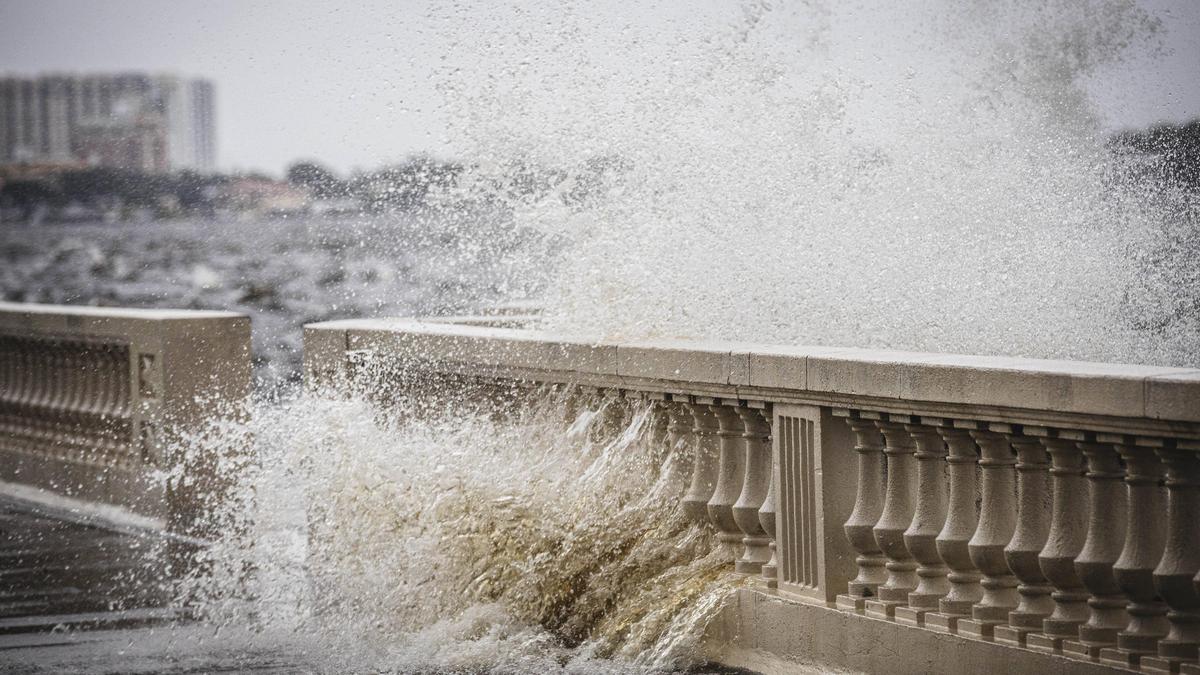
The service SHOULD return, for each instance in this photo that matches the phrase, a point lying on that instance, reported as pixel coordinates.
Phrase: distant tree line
(183, 190)
(1171, 152)
(1175, 148)
(402, 186)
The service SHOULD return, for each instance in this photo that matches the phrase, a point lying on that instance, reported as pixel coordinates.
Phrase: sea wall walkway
(903, 512)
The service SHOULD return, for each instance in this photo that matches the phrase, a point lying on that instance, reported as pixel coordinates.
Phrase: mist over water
(928, 176)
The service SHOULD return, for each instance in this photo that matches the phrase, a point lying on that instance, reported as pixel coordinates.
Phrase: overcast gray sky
(350, 84)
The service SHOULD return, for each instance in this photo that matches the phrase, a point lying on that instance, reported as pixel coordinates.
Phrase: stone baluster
(699, 424)
(43, 381)
(28, 357)
(661, 439)
(868, 504)
(617, 415)
(21, 387)
(928, 520)
(1068, 528)
(40, 357)
(755, 483)
(78, 401)
(1180, 563)
(1033, 525)
(768, 509)
(602, 416)
(113, 379)
(579, 411)
(766, 516)
(92, 382)
(67, 421)
(731, 473)
(898, 507)
(70, 423)
(674, 454)
(127, 386)
(961, 521)
(42, 366)
(758, 433)
(9, 387)
(20, 395)
(997, 523)
(1134, 570)
(1094, 564)
(8, 383)
(60, 394)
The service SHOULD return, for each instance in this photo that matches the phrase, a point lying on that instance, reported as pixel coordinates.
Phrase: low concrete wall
(91, 398)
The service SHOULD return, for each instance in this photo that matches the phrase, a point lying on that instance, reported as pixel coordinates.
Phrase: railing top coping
(9, 310)
(1109, 389)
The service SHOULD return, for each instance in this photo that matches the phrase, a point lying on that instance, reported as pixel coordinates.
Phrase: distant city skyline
(131, 120)
(356, 86)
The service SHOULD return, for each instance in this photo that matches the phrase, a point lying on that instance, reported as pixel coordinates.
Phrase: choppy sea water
(282, 272)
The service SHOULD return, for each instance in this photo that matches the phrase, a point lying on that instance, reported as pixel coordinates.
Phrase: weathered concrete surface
(769, 634)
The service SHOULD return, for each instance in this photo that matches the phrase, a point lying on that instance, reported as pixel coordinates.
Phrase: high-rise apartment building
(127, 120)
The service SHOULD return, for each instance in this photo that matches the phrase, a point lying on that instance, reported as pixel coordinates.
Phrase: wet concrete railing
(1048, 508)
(91, 399)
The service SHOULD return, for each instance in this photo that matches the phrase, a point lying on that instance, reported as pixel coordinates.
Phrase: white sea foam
(540, 541)
(928, 176)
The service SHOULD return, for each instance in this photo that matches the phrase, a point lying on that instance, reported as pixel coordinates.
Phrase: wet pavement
(76, 590)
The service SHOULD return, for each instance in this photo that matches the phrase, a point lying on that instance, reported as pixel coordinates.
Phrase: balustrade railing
(1047, 506)
(92, 398)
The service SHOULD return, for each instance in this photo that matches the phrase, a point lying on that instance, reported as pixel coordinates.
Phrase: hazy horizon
(355, 86)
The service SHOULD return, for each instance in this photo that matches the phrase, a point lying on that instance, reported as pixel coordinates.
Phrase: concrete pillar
(961, 522)
(868, 505)
(930, 516)
(1068, 529)
(756, 433)
(1134, 570)
(815, 488)
(1105, 539)
(898, 507)
(1180, 563)
(1033, 525)
(997, 522)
